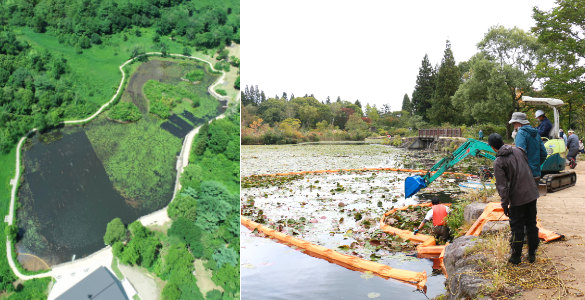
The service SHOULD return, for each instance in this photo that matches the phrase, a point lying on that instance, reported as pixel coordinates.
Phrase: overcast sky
(366, 50)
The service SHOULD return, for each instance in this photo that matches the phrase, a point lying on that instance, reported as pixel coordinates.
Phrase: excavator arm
(413, 184)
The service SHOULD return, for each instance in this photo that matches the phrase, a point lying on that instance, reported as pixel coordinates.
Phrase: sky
(366, 50)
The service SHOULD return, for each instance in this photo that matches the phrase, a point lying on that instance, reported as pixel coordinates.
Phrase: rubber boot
(532, 246)
(516, 256)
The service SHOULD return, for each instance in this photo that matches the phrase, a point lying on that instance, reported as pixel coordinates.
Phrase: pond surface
(340, 211)
(67, 198)
(77, 179)
(272, 270)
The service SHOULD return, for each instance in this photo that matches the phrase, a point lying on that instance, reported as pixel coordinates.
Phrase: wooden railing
(447, 132)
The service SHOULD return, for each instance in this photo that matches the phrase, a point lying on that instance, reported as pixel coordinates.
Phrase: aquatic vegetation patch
(139, 158)
(340, 210)
(125, 111)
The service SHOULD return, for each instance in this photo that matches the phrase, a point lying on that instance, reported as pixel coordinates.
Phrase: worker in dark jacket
(519, 193)
(573, 146)
(545, 124)
(529, 140)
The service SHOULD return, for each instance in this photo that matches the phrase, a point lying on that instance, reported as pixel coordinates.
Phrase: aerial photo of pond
(340, 211)
(77, 179)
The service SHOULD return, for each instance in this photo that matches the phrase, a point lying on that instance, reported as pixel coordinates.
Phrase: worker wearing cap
(573, 146)
(563, 135)
(529, 140)
(519, 194)
(438, 214)
(545, 124)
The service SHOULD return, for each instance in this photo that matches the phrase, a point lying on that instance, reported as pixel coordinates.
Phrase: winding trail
(159, 216)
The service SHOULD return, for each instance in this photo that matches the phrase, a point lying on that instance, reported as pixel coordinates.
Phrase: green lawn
(96, 71)
(116, 269)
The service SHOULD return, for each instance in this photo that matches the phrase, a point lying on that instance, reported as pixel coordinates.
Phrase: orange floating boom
(418, 278)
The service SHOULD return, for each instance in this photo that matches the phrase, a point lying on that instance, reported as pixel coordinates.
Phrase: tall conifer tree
(424, 89)
(447, 83)
(406, 105)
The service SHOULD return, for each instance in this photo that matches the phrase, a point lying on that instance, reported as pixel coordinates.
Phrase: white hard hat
(539, 113)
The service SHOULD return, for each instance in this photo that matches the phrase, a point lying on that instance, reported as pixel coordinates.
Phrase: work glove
(506, 210)
(415, 231)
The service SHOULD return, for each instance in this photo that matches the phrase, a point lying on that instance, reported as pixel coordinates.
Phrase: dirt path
(563, 212)
(203, 276)
(144, 285)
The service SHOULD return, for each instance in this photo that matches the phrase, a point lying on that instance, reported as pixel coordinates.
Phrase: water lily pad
(367, 275)
(373, 295)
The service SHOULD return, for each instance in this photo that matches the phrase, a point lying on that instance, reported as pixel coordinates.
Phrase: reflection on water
(272, 270)
(66, 200)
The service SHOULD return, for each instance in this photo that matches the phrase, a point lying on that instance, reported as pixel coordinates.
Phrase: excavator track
(561, 181)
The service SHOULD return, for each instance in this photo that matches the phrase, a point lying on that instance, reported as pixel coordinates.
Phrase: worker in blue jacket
(529, 140)
(545, 124)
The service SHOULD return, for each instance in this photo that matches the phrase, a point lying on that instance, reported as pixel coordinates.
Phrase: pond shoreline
(15, 182)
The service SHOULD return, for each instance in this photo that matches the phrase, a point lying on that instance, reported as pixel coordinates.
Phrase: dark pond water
(67, 198)
(174, 130)
(271, 270)
(189, 116)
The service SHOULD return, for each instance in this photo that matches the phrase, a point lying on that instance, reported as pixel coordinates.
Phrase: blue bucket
(412, 185)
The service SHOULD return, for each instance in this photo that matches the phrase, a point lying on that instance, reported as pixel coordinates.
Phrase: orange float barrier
(359, 170)
(441, 260)
(427, 243)
(417, 278)
(495, 212)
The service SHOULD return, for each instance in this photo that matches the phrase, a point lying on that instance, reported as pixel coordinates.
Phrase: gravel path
(145, 286)
(563, 212)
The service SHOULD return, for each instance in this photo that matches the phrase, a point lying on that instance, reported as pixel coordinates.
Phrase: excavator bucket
(412, 185)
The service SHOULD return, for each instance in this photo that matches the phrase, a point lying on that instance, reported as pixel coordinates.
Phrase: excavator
(554, 177)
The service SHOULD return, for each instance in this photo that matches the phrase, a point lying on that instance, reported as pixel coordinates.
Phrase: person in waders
(438, 214)
(517, 188)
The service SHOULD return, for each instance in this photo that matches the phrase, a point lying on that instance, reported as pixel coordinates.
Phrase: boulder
(459, 266)
(495, 226)
(473, 211)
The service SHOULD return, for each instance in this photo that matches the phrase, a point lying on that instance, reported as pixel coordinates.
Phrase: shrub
(214, 295)
(187, 51)
(221, 92)
(195, 75)
(171, 292)
(125, 111)
(159, 109)
(115, 231)
(272, 137)
(456, 218)
(222, 65)
(11, 231)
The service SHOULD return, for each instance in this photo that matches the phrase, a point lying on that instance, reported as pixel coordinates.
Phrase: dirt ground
(563, 212)
(146, 286)
(203, 276)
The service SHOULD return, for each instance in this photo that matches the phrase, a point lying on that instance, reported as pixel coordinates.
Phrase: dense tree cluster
(34, 90)
(290, 120)
(560, 32)
(81, 23)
